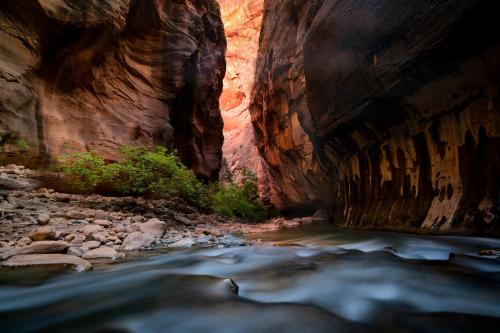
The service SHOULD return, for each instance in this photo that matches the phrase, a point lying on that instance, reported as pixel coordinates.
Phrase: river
(319, 279)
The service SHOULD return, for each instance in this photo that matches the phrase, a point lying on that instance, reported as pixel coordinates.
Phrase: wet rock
(137, 240)
(154, 227)
(185, 242)
(40, 247)
(43, 219)
(232, 241)
(43, 233)
(48, 260)
(103, 252)
(489, 253)
(233, 286)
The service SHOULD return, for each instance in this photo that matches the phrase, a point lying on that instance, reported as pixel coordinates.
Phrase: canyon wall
(82, 75)
(242, 21)
(384, 112)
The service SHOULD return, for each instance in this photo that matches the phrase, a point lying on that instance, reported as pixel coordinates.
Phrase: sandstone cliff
(78, 75)
(385, 112)
(242, 21)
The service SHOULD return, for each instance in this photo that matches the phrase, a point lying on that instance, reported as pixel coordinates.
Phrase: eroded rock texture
(386, 112)
(78, 75)
(242, 21)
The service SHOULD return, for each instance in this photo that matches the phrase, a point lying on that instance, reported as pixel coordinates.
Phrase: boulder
(185, 242)
(40, 247)
(48, 260)
(154, 227)
(43, 233)
(103, 252)
(137, 240)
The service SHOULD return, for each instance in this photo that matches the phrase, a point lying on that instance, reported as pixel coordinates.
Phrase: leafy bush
(86, 170)
(239, 199)
(153, 172)
(157, 172)
(231, 201)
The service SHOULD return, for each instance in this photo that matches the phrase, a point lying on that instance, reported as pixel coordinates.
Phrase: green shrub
(239, 199)
(231, 201)
(157, 172)
(86, 170)
(153, 172)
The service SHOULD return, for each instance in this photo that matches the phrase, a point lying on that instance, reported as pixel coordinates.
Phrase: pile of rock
(70, 229)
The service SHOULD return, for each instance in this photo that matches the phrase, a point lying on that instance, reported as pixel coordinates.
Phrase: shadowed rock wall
(77, 75)
(385, 112)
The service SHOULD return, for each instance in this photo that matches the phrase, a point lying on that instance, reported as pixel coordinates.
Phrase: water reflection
(326, 281)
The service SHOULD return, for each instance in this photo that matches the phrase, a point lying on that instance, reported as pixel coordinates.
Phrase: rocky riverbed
(42, 227)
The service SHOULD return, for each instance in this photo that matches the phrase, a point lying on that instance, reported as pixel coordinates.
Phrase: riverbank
(45, 227)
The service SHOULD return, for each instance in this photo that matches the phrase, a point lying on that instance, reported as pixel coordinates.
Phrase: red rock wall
(79, 75)
(242, 21)
(385, 112)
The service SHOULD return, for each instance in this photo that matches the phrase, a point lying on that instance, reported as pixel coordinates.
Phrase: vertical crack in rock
(242, 21)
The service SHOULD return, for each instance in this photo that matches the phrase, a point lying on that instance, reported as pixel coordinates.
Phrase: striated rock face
(242, 21)
(79, 75)
(385, 112)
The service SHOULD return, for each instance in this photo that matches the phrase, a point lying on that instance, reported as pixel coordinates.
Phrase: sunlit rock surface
(242, 20)
(385, 112)
(80, 75)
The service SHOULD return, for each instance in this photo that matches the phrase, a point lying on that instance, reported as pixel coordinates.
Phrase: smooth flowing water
(322, 280)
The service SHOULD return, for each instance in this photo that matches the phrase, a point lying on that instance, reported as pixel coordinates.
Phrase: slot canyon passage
(249, 166)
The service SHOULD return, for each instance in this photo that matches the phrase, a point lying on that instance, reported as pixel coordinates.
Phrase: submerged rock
(48, 260)
(233, 286)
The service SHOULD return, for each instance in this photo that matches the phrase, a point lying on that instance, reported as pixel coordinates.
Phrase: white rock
(103, 252)
(137, 240)
(154, 227)
(185, 242)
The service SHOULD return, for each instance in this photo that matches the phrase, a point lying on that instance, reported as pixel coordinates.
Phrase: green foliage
(23, 145)
(239, 199)
(86, 170)
(153, 172)
(157, 172)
